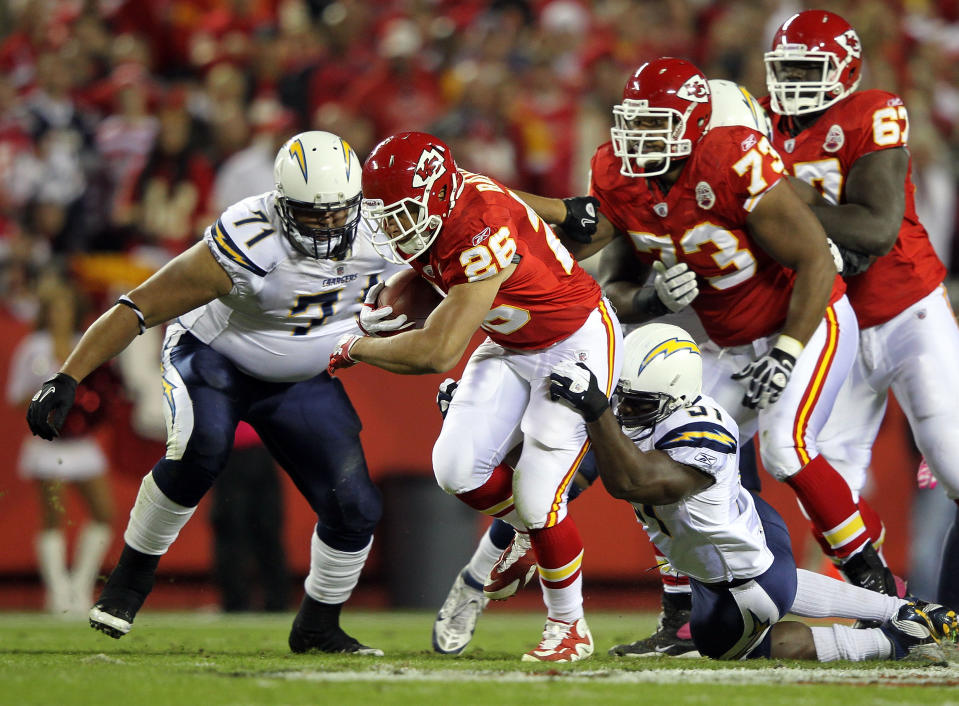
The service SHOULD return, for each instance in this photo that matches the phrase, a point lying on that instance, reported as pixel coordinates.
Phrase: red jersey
(743, 293)
(823, 154)
(546, 299)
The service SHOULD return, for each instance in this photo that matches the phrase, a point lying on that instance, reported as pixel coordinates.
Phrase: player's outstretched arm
(577, 220)
(440, 344)
(191, 279)
(869, 219)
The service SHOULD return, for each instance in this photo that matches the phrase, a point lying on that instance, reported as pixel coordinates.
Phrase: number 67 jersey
(714, 534)
(701, 220)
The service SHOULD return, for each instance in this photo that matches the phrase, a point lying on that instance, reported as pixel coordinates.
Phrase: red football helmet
(816, 60)
(665, 110)
(410, 185)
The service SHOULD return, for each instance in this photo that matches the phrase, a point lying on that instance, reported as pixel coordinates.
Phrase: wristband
(141, 322)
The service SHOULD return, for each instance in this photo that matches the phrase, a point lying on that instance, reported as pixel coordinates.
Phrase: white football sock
(564, 603)
(51, 548)
(484, 557)
(155, 520)
(819, 596)
(843, 642)
(333, 574)
(92, 545)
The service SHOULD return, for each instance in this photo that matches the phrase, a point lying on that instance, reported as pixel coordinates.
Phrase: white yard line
(926, 676)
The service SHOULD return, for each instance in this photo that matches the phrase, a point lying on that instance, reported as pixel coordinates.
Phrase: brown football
(409, 294)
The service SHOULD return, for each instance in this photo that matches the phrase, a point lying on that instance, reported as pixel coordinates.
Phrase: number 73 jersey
(548, 296)
(714, 534)
(701, 220)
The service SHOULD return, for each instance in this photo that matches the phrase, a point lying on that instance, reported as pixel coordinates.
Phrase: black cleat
(113, 621)
(672, 637)
(331, 640)
(913, 637)
(866, 570)
(945, 625)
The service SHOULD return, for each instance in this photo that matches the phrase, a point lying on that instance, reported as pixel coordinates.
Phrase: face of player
(636, 410)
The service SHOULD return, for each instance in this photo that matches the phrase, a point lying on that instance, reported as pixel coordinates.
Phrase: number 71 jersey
(714, 534)
(701, 220)
(548, 296)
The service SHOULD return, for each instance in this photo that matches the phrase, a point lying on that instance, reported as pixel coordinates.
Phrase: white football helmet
(734, 105)
(317, 176)
(662, 372)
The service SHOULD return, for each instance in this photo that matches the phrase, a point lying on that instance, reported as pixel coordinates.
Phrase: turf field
(197, 658)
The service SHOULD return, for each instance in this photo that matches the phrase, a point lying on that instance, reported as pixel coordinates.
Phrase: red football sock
(559, 553)
(827, 500)
(495, 496)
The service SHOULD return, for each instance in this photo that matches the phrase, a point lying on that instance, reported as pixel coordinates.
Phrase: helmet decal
(347, 157)
(850, 42)
(429, 168)
(695, 89)
(667, 348)
(296, 151)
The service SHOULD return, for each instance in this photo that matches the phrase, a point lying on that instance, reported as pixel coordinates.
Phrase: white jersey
(715, 534)
(286, 310)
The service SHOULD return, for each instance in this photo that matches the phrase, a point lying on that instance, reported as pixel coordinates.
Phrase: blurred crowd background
(127, 126)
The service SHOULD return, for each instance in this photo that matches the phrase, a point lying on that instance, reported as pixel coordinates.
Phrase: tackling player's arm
(190, 280)
(787, 229)
(870, 216)
(440, 344)
(594, 231)
(651, 477)
(622, 275)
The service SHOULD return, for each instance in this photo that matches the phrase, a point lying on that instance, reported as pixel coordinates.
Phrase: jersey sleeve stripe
(225, 245)
(699, 435)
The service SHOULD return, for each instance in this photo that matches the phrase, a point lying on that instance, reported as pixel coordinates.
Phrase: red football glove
(340, 357)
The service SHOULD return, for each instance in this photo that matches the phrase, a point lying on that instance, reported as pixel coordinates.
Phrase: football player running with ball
(672, 452)
(258, 306)
(851, 145)
(504, 270)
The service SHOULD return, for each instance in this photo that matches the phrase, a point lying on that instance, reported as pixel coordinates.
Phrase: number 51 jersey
(715, 534)
(286, 310)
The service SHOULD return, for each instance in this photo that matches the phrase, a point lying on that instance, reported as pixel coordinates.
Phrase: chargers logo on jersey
(296, 152)
(706, 435)
(666, 349)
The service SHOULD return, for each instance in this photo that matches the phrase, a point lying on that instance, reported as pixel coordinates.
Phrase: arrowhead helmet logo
(429, 168)
(695, 89)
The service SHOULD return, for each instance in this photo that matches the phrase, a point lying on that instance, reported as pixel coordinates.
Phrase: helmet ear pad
(317, 177)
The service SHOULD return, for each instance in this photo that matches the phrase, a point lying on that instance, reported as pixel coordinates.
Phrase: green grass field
(198, 658)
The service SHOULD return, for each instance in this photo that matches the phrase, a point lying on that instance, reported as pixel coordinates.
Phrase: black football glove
(582, 216)
(853, 262)
(444, 396)
(49, 407)
(575, 383)
(766, 378)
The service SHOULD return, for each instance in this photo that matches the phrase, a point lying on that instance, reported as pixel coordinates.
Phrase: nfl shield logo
(582, 356)
(789, 145)
(705, 198)
(660, 210)
(428, 270)
(835, 139)
(340, 270)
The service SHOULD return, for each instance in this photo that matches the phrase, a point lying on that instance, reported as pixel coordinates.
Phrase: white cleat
(514, 569)
(562, 642)
(456, 621)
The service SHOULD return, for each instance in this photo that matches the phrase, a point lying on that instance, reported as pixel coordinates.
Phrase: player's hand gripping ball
(408, 296)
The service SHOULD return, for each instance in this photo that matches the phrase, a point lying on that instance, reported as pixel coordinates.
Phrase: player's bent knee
(790, 639)
(782, 462)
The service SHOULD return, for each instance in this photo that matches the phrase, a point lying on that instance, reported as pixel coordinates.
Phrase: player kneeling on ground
(672, 452)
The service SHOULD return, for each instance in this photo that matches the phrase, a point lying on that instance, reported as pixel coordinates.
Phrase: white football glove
(444, 396)
(676, 286)
(836, 255)
(375, 321)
